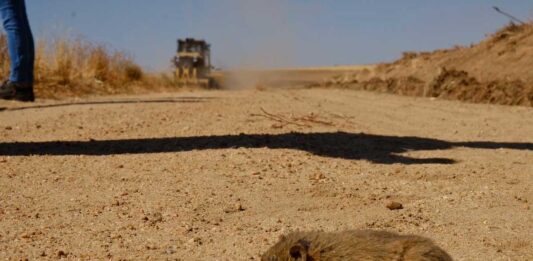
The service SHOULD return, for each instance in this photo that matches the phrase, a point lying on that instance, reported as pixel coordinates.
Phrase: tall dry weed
(76, 67)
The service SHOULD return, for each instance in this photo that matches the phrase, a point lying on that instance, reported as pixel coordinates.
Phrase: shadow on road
(353, 146)
(66, 104)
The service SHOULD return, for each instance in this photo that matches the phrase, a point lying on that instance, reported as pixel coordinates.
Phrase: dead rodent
(354, 245)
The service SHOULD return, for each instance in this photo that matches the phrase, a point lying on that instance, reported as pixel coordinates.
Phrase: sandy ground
(220, 175)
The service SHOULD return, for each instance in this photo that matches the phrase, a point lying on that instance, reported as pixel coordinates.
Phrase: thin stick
(508, 15)
(294, 120)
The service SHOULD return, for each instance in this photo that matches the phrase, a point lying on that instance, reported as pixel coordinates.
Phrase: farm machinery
(193, 63)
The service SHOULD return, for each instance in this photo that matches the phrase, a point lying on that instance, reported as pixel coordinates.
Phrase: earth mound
(497, 70)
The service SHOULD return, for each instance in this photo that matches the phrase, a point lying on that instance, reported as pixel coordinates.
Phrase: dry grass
(74, 67)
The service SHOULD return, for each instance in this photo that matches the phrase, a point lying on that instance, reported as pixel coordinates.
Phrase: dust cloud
(268, 43)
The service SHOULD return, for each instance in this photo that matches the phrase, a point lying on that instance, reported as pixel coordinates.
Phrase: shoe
(17, 91)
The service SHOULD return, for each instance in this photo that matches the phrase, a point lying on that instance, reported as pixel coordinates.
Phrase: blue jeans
(19, 40)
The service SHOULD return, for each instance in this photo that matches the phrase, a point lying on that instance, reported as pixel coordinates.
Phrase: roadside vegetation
(77, 67)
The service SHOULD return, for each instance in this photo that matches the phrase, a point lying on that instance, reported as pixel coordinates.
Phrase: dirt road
(220, 175)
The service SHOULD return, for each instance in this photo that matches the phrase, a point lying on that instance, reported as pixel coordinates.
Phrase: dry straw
(76, 67)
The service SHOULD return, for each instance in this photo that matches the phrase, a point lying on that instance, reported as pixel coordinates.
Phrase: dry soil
(219, 175)
(496, 70)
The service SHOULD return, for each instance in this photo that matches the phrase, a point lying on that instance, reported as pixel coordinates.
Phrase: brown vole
(354, 245)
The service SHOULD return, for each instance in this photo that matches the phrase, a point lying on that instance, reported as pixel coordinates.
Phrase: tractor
(193, 63)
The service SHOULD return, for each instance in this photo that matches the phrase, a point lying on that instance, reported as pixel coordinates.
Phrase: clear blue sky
(278, 33)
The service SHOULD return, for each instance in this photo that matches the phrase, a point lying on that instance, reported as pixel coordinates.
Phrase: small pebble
(393, 205)
(61, 254)
(171, 250)
(236, 208)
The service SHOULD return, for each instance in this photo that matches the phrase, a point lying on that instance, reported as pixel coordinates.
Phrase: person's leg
(21, 51)
(29, 47)
(20, 40)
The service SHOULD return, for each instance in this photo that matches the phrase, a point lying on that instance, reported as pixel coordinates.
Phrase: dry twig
(297, 121)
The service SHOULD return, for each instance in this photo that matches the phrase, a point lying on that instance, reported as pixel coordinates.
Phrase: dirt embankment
(496, 70)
